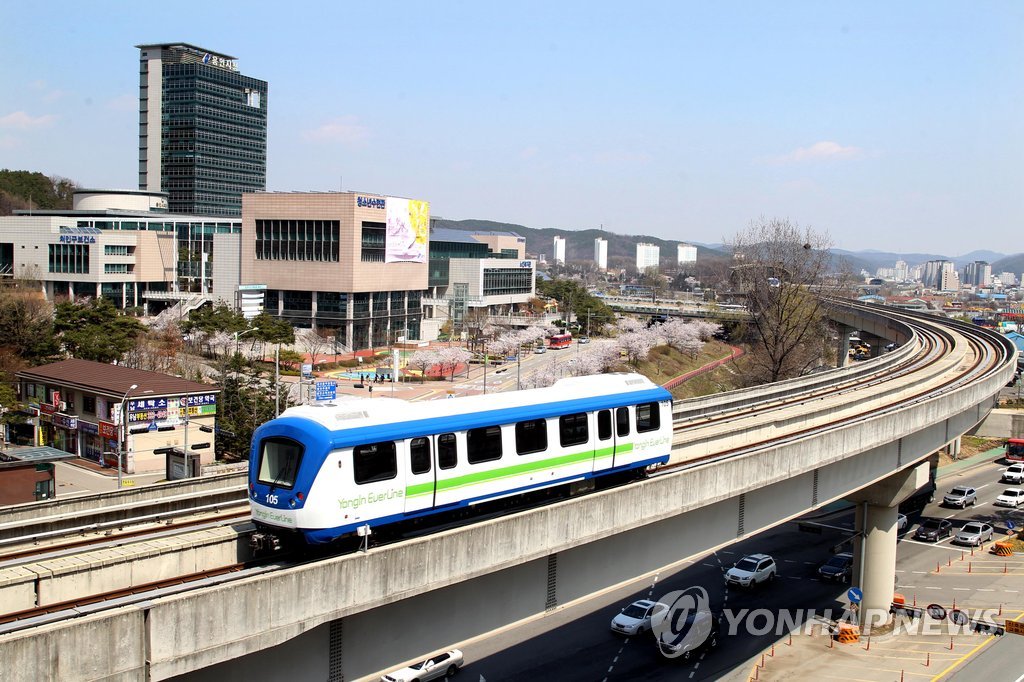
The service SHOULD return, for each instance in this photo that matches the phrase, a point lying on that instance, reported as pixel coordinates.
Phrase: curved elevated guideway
(741, 462)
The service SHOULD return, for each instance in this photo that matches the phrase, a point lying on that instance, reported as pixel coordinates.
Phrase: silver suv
(960, 496)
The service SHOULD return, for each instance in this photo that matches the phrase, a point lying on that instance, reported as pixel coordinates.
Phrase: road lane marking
(957, 662)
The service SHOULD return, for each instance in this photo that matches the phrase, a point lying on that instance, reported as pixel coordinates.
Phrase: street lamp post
(123, 434)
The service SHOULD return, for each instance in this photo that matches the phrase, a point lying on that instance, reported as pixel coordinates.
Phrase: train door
(604, 452)
(623, 447)
(420, 486)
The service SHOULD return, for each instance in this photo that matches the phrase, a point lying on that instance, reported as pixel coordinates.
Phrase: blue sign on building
(326, 390)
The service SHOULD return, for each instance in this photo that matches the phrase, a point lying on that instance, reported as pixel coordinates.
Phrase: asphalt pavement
(575, 642)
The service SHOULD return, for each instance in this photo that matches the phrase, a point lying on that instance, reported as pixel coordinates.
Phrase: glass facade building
(202, 129)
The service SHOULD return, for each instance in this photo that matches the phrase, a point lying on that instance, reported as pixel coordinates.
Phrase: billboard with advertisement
(408, 227)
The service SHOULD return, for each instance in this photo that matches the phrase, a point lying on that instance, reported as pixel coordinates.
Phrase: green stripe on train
(515, 470)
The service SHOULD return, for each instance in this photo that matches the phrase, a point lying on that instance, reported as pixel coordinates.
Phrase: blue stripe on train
(325, 535)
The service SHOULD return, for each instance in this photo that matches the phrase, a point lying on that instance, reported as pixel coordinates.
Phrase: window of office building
(298, 240)
(507, 281)
(70, 258)
(373, 242)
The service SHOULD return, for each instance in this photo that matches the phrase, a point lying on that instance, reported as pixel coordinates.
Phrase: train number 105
(271, 499)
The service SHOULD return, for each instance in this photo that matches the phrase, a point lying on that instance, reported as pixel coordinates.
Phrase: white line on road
(985, 589)
(962, 589)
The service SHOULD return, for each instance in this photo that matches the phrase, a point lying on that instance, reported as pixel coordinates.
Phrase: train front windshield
(279, 462)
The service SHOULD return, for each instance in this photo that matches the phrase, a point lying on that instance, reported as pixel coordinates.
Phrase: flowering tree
(450, 358)
(423, 360)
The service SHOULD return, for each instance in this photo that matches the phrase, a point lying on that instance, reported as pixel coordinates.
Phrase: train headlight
(291, 503)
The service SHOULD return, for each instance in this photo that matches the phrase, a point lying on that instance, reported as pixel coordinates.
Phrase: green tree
(246, 401)
(26, 326)
(95, 330)
(219, 318)
(573, 299)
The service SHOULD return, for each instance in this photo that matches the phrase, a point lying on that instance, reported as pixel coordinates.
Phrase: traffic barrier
(847, 634)
(1002, 549)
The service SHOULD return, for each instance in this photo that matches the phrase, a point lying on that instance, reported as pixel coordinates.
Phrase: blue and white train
(325, 471)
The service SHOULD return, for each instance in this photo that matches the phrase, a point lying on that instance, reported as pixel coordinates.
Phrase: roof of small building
(114, 380)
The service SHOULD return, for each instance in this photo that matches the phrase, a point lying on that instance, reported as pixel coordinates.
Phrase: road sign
(936, 611)
(307, 369)
(855, 595)
(1010, 525)
(958, 617)
(1014, 627)
(326, 390)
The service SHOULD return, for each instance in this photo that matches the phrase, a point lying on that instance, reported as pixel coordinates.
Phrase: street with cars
(777, 570)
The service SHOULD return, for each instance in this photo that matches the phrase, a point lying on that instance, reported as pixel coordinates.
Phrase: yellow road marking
(954, 664)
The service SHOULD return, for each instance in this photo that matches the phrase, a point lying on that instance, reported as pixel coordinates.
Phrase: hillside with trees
(29, 190)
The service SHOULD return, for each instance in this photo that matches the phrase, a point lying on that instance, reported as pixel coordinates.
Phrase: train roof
(382, 410)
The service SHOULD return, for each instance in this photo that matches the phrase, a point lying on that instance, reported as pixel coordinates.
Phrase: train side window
(374, 462)
(622, 421)
(419, 455)
(572, 429)
(483, 444)
(648, 417)
(531, 436)
(604, 424)
(446, 457)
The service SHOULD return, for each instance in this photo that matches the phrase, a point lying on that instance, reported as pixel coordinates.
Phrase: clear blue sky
(892, 126)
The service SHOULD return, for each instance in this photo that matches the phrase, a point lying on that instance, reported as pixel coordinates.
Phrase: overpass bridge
(742, 462)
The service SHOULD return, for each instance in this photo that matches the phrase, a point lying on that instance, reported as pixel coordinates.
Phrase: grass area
(969, 446)
(666, 363)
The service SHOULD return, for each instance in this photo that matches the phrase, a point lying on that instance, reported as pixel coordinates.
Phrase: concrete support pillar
(874, 560)
(953, 448)
(843, 344)
(874, 556)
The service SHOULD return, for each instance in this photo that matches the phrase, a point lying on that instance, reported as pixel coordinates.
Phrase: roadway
(575, 643)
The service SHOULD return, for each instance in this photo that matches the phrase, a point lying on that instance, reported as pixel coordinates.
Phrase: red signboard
(108, 430)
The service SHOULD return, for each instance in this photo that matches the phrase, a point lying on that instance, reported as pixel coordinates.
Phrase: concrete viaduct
(346, 617)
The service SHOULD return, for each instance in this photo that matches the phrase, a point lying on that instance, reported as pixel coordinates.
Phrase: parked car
(974, 533)
(584, 339)
(960, 496)
(1011, 497)
(934, 530)
(751, 570)
(838, 568)
(438, 667)
(1014, 473)
(901, 523)
(636, 618)
(540, 350)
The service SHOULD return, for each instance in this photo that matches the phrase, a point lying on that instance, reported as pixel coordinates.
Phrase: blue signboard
(326, 390)
(855, 595)
(1010, 525)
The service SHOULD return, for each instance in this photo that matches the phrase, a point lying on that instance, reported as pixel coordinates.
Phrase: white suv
(1014, 473)
(751, 570)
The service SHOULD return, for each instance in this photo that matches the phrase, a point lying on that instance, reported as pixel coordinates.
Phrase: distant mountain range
(579, 245)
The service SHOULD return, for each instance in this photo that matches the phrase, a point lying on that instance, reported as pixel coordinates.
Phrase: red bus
(1015, 449)
(560, 341)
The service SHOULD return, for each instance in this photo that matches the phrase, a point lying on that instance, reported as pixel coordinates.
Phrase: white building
(901, 272)
(601, 253)
(686, 254)
(559, 250)
(950, 279)
(647, 256)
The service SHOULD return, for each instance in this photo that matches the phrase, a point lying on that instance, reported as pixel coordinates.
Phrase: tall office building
(601, 253)
(647, 256)
(978, 274)
(202, 129)
(559, 246)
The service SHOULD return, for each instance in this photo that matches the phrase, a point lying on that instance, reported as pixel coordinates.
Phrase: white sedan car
(1011, 497)
(436, 668)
